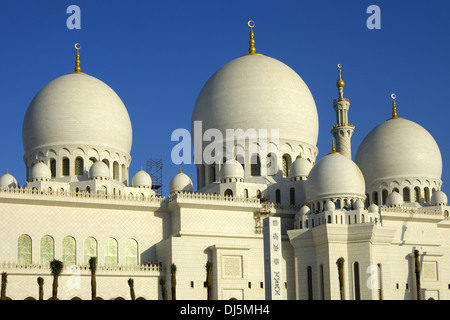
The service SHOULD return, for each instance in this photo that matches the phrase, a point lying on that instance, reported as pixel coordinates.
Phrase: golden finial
(141, 168)
(300, 155)
(7, 171)
(394, 108)
(252, 49)
(77, 60)
(333, 149)
(180, 170)
(340, 83)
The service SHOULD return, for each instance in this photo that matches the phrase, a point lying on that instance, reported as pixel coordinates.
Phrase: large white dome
(258, 92)
(77, 109)
(399, 149)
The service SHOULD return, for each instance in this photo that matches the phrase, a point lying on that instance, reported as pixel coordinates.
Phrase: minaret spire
(342, 130)
(340, 83)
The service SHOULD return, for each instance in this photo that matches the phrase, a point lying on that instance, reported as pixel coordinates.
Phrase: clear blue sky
(157, 55)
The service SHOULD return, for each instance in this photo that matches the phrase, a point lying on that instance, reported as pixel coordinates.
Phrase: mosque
(376, 227)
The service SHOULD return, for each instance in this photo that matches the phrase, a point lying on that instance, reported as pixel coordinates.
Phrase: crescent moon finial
(339, 66)
(77, 58)
(251, 23)
(394, 108)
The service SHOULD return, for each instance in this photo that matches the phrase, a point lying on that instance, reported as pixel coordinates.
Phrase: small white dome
(439, 198)
(300, 168)
(99, 170)
(8, 181)
(329, 205)
(373, 208)
(335, 176)
(181, 183)
(359, 204)
(394, 199)
(304, 210)
(40, 171)
(141, 180)
(232, 169)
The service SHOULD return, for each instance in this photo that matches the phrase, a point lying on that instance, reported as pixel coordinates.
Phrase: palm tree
(162, 282)
(417, 272)
(131, 285)
(40, 282)
(56, 268)
(4, 280)
(209, 266)
(340, 265)
(93, 268)
(173, 271)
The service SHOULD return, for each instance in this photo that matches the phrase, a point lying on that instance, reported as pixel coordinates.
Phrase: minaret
(342, 130)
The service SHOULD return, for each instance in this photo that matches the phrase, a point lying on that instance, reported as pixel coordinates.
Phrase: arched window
(111, 252)
(322, 283)
(258, 194)
(24, 249)
(66, 167)
(426, 194)
(255, 167)
(228, 193)
(131, 253)
(380, 282)
(47, 249)
(79, 166)
(245, 193)
(384, 196)
(375, 197)
(90, 249)
(292, 196)
(286, 165)
(53, 167)
(310, 282)
(69, 251)
(116, 170)
(417, 194)
(406, 194)
(278, 196)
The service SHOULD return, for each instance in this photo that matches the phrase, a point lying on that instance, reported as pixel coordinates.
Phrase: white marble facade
(348, 229)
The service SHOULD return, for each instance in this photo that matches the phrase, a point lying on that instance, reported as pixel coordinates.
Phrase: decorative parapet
(410, 210)
(210, 197)
(34, 268)
(57, 194)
